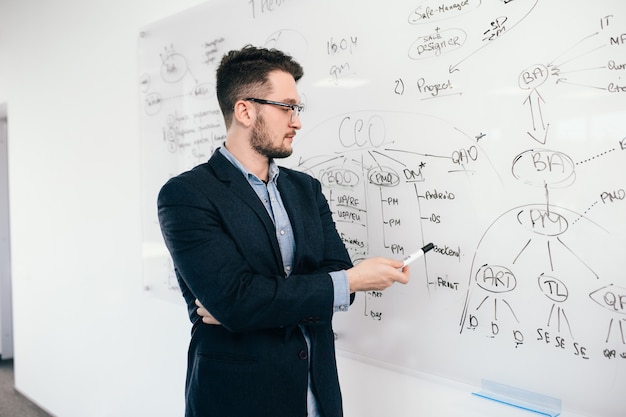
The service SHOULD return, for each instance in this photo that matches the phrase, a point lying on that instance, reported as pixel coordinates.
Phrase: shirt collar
(273, 167)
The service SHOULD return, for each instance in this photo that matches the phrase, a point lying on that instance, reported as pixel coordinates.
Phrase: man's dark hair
(244, 73)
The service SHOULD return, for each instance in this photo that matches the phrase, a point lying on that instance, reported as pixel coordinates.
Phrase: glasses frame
(296, 109)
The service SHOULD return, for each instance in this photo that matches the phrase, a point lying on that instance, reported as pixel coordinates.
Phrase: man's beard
(261, 142)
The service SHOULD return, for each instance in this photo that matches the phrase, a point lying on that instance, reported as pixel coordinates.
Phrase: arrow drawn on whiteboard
(571, 59)
(388, 157)
(417, 153)
(454, 68)
(375, 160)
(575, 46)
(583, 69)
(534, 100)
(327, 159)
(564, 81)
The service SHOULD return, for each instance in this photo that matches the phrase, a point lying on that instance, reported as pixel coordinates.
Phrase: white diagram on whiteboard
(390, 196)
(385, 199)
(540, 252)
(613, 298)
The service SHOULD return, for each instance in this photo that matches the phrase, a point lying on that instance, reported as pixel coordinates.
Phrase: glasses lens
(295, 113)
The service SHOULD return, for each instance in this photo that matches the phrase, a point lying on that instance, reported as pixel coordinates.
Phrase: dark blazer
(225, 252)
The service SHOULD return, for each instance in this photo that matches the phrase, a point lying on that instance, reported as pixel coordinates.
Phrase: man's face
(274, 130)
(262, 142)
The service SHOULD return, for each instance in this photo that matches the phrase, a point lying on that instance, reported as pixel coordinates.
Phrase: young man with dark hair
(259, 261)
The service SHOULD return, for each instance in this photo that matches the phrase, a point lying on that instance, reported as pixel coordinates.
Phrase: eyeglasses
(296, 109)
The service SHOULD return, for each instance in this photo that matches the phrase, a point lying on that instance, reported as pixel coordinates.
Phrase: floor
(12, 403)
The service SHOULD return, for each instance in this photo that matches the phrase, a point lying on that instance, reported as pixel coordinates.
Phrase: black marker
(417, 254)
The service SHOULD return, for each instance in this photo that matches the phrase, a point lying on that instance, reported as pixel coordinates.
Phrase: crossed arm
(372, 274)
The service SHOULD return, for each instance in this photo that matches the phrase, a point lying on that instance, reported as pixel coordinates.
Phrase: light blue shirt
(270, 197)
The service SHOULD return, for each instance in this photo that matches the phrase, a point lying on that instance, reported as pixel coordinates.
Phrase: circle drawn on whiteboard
(429, 12)
(544, 167)
(290, 42)
(542, 221)
(152, 104)
(448, 40)
(495, 279)
(611, 297)
(532, 77)
(203, 91)
(553, 288)
(174, 68)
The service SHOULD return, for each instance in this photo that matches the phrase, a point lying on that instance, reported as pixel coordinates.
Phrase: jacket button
(303, 354)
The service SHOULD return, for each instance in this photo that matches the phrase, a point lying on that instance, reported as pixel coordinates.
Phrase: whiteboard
(494, 129)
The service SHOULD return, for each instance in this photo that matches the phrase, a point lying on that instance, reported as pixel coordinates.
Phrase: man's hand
(206, 316)
(377, 274)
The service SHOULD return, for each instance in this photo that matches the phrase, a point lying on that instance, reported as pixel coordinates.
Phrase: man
(259, 261)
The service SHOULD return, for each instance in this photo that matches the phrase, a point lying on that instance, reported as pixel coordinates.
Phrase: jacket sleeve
(225, 257)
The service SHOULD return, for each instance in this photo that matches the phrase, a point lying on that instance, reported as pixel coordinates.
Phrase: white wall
(88, 340)
(6, 309)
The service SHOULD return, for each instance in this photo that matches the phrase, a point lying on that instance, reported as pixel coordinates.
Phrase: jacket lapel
(239, 186)
(289, 194)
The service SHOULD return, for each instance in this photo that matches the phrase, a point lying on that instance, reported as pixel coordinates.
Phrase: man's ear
(244, 113)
